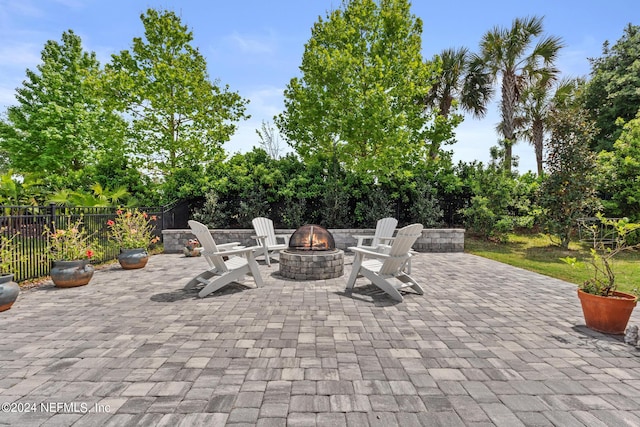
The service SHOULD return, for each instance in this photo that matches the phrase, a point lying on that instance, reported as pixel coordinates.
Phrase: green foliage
(253, 204)
(497, 203)
(98, 197)
(70, 243)
(568, 190)
(377, 204)
(9, 255)
(355, 103)
(212, 213)
(620, 170)
(425, 208)
(335, 211)
(294, 212)
(132, 229)
(178, 116)
(60, 122)
(603, 281)
(19, 192)
(614, 88)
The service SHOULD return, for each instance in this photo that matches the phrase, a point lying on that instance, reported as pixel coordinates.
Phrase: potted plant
(133, 232)
(9, 289)
(71, 252)
(605, 308)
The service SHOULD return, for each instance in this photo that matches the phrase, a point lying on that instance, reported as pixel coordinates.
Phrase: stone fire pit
(312, 255)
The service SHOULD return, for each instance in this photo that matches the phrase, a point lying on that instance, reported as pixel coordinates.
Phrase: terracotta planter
(131, 259)
(9, 291)
(609, 315)
(69, 274)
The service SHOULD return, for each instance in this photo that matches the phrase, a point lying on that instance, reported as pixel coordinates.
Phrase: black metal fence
(28, 226)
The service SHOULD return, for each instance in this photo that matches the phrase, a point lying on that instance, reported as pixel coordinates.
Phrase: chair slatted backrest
(264, 227)
(384, 228)
(208, 244)
(400, 249)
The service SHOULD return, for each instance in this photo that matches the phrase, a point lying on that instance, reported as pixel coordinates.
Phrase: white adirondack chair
(386, 270)
(267, 238)
(221, 273)
(384, 231)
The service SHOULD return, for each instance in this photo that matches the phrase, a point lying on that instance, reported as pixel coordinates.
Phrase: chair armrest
(227, 246)
(236, 251)
(361, 238)
(284, 237)
(387, 239)
(368, 253)
(261, 240)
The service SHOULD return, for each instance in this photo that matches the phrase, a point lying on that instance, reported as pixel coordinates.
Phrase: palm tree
(538, 99)
(504, 53)
(459, 80)
(451, 84)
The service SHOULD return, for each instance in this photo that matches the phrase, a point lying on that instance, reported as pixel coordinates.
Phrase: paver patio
(488, 344)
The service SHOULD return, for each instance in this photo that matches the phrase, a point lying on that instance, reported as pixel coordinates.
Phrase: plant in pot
(132, 230)
(605, 308)
(9, 256)
(71, 250)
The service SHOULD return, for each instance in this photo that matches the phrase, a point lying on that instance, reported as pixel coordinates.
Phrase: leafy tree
(355, 104)
(60, 123)
(621, 167)
(614, 89)
(506, 55)
(179, 117)
(568, 191)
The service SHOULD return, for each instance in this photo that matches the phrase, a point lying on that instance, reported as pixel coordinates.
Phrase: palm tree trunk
(538, 136)
(508, 106)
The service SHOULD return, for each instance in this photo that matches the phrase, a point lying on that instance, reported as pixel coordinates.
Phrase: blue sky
(255, 46)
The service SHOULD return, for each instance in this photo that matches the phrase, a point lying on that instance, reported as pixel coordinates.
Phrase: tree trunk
(538, 140)
(508, 105)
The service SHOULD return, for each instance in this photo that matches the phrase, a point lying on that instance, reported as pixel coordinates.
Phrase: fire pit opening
(312, 237)
(311, 255)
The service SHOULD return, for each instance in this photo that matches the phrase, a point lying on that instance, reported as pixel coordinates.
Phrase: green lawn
(537, 253)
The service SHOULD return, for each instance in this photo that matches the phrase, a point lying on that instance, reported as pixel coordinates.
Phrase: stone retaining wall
(432, 240)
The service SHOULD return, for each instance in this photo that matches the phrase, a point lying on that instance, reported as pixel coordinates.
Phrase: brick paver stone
(488, 344)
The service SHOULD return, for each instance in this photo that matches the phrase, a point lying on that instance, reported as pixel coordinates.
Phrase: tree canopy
(356, 102)
(179, 117)
(614, 88)
(59, 125)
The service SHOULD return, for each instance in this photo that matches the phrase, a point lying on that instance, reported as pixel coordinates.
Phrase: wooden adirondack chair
(386, 270)
(221, 272)
(267, 238)
(384, 231)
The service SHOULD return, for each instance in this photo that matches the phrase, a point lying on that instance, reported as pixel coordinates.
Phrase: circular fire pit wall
(314, 265)
(312, 255)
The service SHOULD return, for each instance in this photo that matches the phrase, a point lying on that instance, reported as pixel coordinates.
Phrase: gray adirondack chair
(221, 273)
(386, 269)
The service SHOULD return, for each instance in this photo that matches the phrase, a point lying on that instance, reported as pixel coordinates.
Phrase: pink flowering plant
(132, 229)
(70, 243)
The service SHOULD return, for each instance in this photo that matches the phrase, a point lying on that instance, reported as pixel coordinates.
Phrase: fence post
(52, 216)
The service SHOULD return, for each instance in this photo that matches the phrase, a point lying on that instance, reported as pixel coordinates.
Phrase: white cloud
(258, 44)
